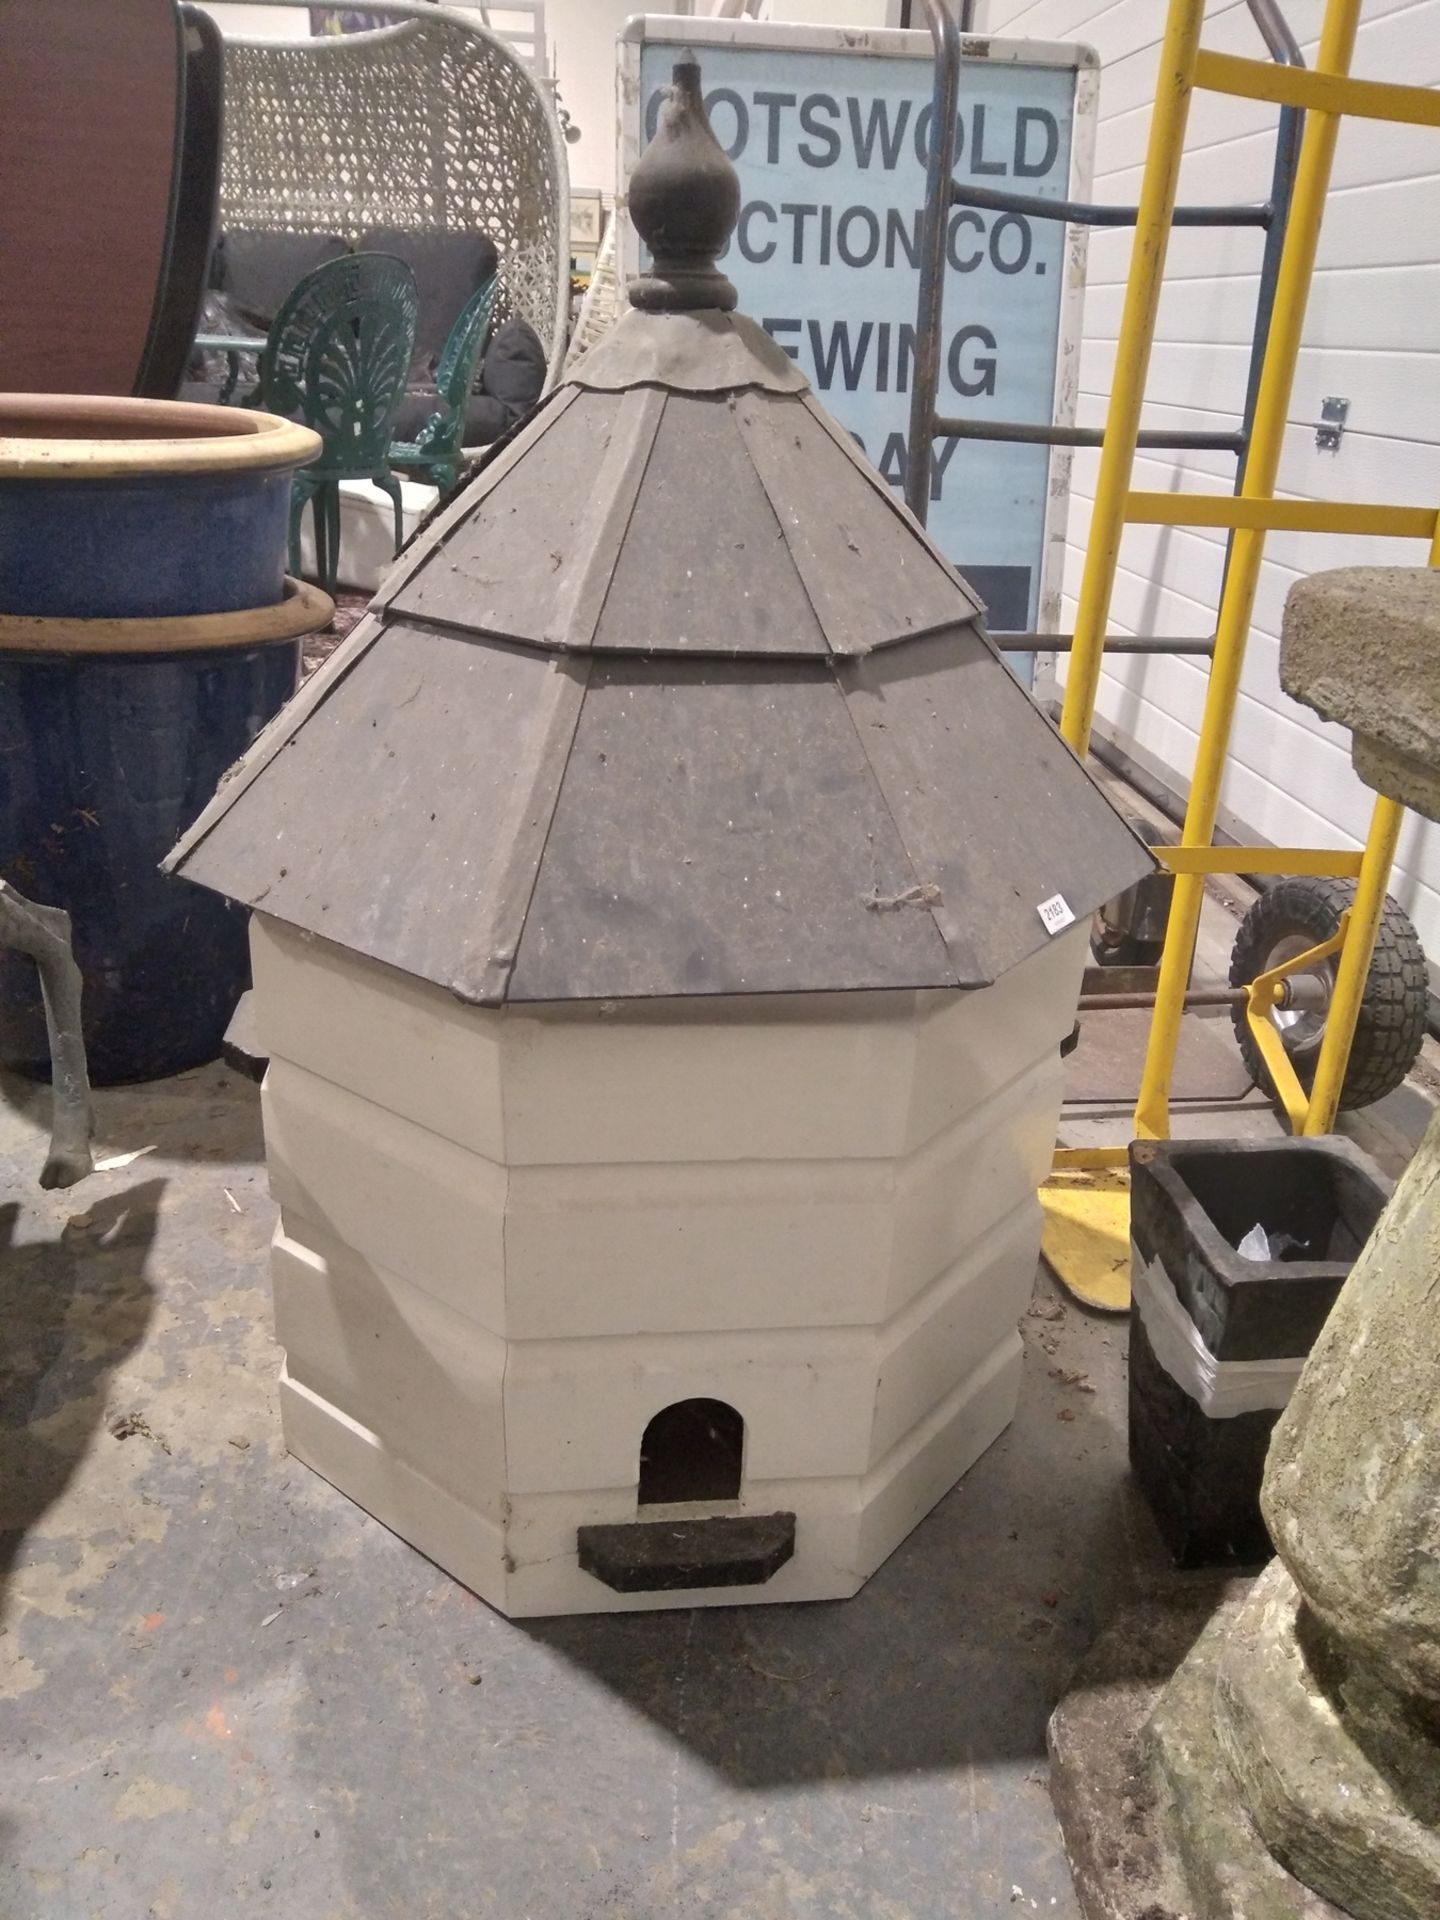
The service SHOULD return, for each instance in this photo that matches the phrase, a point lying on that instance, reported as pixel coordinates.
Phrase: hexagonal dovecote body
(493, 1273)
(663, 1025)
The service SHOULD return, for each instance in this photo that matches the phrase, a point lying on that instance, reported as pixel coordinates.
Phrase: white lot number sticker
(1056, 914)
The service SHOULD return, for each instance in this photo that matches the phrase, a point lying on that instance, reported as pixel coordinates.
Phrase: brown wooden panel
(90, 96)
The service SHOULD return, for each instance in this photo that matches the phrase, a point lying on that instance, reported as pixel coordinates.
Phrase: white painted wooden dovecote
(663, 1027)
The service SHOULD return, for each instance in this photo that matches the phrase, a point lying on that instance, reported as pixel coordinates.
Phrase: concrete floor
(229, 1691)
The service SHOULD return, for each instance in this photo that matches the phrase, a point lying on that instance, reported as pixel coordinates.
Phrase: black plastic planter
(1217, 1339)
(147, 633)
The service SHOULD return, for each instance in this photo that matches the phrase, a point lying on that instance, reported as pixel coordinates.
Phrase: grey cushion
(256, 270)
(513, 369)
(512, 375)
(448, 268)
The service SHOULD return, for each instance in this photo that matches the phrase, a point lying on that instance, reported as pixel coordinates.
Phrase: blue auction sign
(830, 148)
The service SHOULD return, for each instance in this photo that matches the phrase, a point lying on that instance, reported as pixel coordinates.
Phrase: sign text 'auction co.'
(868, 134)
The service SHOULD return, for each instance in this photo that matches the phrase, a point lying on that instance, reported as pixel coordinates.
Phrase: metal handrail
(1280, 42)
(930, 305)
(1284, 50)
(1091, 213)
(1024, 433)
(1168, 644)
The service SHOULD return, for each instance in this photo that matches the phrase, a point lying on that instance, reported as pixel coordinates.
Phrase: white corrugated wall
(1372, 335)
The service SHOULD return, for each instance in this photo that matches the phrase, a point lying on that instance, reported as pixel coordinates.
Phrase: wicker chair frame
(604, 298)
(431, 125)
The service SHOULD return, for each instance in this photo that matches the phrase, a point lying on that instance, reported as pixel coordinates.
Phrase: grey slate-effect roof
(675, 699)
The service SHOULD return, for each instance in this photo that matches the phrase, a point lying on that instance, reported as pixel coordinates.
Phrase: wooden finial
(684, 200)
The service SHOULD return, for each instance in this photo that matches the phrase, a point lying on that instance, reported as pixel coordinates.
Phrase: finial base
(682, 290)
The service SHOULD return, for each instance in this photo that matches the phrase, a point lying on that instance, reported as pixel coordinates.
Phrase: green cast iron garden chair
(337, 358)
(435, 450)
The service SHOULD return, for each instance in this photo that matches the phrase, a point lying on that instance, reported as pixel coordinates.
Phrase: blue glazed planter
(147, 634)
(152, 547)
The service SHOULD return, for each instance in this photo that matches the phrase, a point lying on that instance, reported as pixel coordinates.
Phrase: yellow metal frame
(1326, 862)
(1280, 516)
(1326, 92)
(1316, 90)
(1089, 1159)
(1266, 992)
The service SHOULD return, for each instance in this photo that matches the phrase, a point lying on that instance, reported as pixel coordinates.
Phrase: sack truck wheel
(1299, 913)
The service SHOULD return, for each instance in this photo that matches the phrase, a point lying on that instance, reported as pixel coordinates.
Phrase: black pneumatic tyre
(1297, 914)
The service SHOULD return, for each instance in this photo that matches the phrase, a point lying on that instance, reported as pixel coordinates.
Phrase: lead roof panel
(720, 830)
(705, 568)
(648, 712)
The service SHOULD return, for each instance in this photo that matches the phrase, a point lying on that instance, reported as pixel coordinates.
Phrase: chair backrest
(455, 369)
(338, 355)
(433, 125)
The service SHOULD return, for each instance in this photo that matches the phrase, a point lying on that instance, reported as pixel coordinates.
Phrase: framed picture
(587, 219)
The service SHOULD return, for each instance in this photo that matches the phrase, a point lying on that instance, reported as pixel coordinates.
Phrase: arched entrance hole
(693, 1450)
